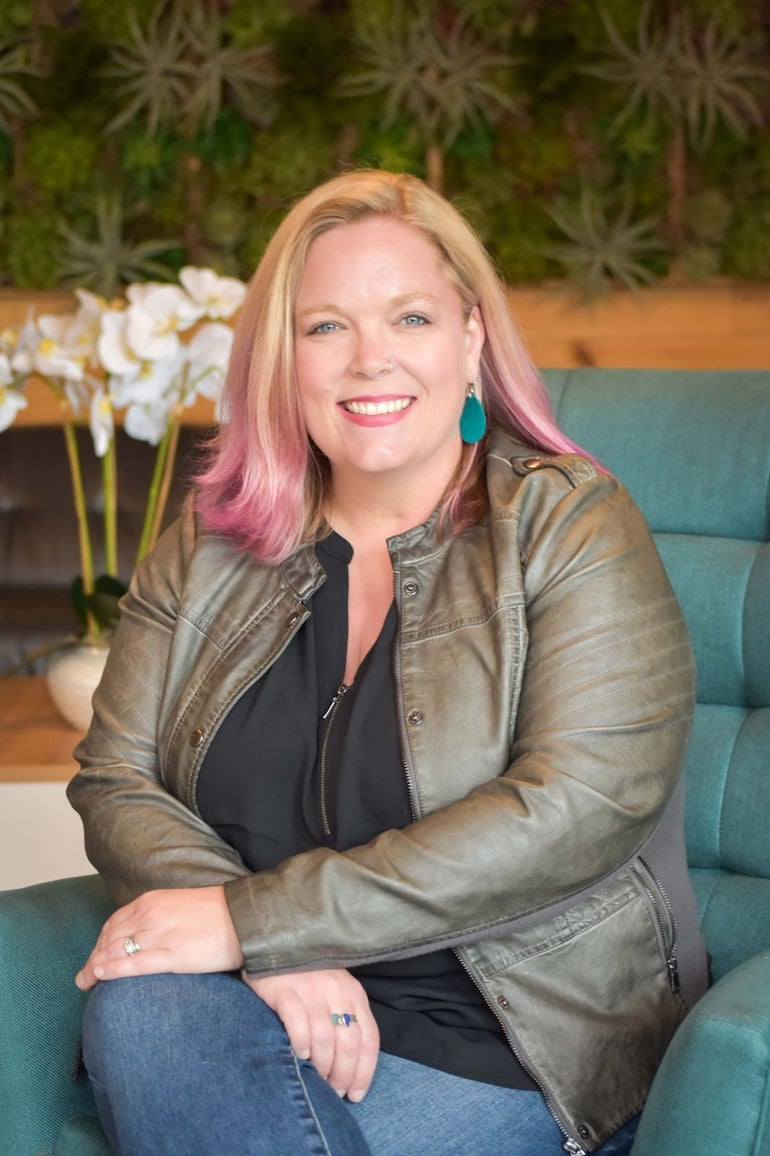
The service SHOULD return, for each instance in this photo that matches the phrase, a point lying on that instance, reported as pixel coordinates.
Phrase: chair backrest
(693, 448)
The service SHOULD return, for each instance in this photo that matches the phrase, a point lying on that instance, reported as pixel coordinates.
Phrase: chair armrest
(46, 934)
(710, 1094)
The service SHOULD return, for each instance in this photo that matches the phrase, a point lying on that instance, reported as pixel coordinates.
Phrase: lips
(377, 408)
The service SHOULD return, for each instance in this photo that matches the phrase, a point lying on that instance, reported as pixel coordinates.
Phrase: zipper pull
(574, 1148)
(341, 690)
(673, 974)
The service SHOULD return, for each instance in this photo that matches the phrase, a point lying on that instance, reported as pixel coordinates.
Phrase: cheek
(315, 374)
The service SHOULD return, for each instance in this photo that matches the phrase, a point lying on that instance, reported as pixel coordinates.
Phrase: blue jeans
(196, 1065)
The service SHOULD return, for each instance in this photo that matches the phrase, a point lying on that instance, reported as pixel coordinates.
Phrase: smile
(374, 408)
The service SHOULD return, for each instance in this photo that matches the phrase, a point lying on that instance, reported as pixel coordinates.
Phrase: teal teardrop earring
(473, 420)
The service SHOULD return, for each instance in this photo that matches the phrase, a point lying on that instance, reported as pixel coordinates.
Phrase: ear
(475, 336)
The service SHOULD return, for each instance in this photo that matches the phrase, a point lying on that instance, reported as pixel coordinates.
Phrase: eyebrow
(397, 302)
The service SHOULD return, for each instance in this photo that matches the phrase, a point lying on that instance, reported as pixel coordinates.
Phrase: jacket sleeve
(138, 834)
(602, 725)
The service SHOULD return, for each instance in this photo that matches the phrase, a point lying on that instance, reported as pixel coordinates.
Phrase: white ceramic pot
(73, 675)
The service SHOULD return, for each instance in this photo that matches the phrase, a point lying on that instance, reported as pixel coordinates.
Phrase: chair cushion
(734, 913)
(46, 933)
(693, 447)
(711, 1091)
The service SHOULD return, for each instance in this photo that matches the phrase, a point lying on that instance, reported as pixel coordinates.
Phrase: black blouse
(302, 761)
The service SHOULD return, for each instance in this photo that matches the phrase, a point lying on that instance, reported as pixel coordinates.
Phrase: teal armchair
(694, 450)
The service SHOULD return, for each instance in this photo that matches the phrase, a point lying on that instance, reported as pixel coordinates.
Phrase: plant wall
(609, 142)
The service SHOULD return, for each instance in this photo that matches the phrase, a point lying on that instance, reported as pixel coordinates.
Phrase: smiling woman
(388, 724)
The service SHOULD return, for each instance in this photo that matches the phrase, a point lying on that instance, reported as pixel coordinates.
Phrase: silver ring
(342, 1019)
(130, 946)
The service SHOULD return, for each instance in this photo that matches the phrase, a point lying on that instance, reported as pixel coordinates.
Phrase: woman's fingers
(366, 1060)
(311, 1005)
(185, 930)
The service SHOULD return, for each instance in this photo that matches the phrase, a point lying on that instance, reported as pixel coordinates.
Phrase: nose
(370, 360)
(372, 367)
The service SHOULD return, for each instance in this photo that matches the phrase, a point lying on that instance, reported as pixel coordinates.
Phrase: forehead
(374, 245)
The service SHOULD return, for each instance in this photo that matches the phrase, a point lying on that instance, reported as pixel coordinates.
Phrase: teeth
(373, 408)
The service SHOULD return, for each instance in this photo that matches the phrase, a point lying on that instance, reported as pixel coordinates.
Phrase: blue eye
(415, 319)
(324, 327)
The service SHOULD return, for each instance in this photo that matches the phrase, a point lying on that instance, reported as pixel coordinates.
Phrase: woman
(384, 765)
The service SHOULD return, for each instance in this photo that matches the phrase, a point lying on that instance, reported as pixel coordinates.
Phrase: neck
(361, 509)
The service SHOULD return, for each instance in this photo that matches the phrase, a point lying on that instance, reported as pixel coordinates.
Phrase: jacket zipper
(668, 941)
(328, 717)
(571, 1145)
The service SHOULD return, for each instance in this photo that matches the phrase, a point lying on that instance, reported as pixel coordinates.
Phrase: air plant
(151, 71)
(438, 72)
(601, 249)
(176, 71)
(104, 262)
(691, 78)
(15, 102)
(246, 73)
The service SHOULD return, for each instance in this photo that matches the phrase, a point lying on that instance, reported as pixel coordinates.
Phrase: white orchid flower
(155, 319)
(78, 395)
(6, 373)
(91, 303)
(209, 353)
(148, 422)
(114, 351)
(11, 401)
(102, 421)
(53, 355)
(86, 324)
(20, 345)
(11, 398)
(218, 297)
(157, 382)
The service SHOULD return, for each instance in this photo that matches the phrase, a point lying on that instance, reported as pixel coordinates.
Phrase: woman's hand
(187, 930)
(305, 1002)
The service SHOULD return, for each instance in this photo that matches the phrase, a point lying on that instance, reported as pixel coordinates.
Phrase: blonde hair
(266, 484)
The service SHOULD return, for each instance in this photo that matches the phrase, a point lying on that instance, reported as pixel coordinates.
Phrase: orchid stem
(110, 483)
(159, 488)
(81, 513)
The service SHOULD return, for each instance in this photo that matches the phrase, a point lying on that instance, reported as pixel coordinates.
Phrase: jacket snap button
(196, 738)
(292, 620)
(504, 1002)
(410, 587)
(531, 463)
(415, 717)
(584, 1132)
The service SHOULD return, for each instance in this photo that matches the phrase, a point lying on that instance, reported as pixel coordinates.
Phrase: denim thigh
(195, 1065)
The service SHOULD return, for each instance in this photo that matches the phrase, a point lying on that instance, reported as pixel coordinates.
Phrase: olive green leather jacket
(544, 687)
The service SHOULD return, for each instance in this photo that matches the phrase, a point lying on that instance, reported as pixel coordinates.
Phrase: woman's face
(383, 354)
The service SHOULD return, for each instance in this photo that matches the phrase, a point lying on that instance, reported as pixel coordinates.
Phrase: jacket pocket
(587, 1000)
(662, 916)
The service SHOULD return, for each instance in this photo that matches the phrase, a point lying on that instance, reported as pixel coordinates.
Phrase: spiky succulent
(15, 102)
(443, 76)
(245, 72)
(178, 66)
(108, 259)
(150, 68)
(602, 249)
(717, 73)
(696, 76)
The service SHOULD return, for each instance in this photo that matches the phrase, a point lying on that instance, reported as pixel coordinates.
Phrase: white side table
(41, 837)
